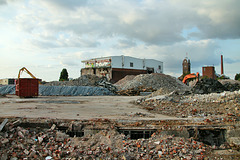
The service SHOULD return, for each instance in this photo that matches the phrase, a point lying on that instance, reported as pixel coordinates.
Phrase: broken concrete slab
(235, 141)
(3, 124)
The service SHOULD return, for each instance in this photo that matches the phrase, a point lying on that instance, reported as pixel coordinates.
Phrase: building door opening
(94, 71)
(150, 70)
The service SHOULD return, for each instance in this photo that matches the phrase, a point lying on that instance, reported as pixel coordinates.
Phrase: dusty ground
(76, 107)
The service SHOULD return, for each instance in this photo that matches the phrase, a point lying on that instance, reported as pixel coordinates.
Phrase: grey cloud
(230, 60)
(69, 62)
(200, 53)
(124, 43)
(151, 22)
(69, 4)
(66, 43)
(44, 44)
(218, 19)
(2, 2)
(108, 20)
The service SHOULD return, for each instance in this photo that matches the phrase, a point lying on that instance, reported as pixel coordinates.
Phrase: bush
(64, 75)
(237, 77)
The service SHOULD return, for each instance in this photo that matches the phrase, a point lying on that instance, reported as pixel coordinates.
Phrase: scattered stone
(213, 107)
(53, 127)
(135, 91)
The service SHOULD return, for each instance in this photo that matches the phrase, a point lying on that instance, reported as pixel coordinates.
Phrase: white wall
(137, 63)
(116, 62)
(124, 62)
(151, 63)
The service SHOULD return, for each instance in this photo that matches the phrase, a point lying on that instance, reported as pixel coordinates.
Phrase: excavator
(191, 75)
(26, 70)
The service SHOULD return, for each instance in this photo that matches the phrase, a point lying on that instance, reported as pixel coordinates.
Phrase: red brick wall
(209, 72)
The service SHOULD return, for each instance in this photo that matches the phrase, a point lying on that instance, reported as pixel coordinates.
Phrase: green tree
(237, 77)
(64, 75)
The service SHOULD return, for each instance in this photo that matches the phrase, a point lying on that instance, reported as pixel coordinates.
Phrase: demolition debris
(174, 121)
(212, 107)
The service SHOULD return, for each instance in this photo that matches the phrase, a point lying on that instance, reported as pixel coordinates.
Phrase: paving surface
(76, 107)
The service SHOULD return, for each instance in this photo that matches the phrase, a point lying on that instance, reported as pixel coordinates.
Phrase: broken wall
(100, 72)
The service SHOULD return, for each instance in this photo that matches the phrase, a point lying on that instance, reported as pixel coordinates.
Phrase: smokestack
(221, 64)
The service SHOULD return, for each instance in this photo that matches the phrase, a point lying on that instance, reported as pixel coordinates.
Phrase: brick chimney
(221, 64)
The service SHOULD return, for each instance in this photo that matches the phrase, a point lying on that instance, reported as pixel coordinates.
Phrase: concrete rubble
(136, 91)
(38, 143)
(205, 86)
(231, 85)
(212, 107)
(51, 139)
(86, 80)
(165, 83)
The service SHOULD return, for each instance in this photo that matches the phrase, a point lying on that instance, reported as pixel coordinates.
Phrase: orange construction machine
(191, 75)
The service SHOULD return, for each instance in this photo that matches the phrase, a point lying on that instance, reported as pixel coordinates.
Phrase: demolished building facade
(117, 67)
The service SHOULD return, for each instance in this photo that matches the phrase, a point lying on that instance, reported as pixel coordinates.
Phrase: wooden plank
(3, 124)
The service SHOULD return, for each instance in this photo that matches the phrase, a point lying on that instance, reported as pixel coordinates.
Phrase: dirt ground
(76, 107)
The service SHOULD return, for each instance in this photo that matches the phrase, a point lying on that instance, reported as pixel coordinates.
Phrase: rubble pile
(213, 107)
(86, 80)
(155, 80)
(105, 84)
(135, 91)
(126, 79)
(35, 143)
(160, 91)
(231, 85)
(205, 86)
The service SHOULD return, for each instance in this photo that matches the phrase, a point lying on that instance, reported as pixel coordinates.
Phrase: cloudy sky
(48, 35)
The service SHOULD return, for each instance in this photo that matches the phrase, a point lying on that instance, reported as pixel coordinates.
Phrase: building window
(159, 67)
(131, 64)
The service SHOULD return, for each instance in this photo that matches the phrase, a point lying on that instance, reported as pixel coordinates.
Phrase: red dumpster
(27, 87)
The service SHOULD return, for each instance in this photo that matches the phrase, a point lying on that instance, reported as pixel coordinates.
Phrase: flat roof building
(7, 81)
(117, 67)
(209, 72)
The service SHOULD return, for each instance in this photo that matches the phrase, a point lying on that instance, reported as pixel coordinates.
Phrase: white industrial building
(117, 67)
(7, 81)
